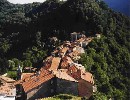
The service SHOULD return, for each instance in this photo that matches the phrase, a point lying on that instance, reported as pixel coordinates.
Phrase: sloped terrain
(25, 32)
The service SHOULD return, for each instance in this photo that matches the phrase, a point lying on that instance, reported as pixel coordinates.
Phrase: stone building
(70, 80)
(35, 86)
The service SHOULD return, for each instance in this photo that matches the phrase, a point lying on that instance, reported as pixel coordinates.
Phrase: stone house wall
(44, 90)
(66, 87)
(85, 88)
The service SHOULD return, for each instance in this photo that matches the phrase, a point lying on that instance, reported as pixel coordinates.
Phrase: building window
(51, 81)
(52, 90)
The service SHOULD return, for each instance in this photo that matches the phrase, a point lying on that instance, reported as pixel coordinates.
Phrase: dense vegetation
(26, 33)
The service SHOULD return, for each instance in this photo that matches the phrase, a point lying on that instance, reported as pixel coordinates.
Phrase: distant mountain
(122, 6)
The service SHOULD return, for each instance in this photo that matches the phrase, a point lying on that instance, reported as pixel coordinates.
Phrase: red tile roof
(6, 79)
(77, 74)
(26, 75)
(65, 62)
(35, 80)
(8, 89)
(62, 74)
(87, 76)
(63, 51)
(55, 63)
(47, 66)
(64, 65)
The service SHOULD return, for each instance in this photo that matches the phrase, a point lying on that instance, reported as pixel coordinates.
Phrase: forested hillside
(26, 32)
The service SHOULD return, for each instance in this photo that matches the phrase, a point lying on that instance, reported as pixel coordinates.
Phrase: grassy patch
(63, 97)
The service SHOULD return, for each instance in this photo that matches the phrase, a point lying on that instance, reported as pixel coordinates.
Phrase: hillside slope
(26, 30)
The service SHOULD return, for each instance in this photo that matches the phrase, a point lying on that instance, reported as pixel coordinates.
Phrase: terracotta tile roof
(55, 63)
(62, 74)
(87, 76)
(64, 50)
(26, 75)
(74, 72)
(64, 65)
(47, 66)
(80, 67)
(37, 80)
(66, 43)
(79, 73)
(72, 69)
(65, 62)
(7, 88)
(74, 54)
(6, 79)
(69, 60)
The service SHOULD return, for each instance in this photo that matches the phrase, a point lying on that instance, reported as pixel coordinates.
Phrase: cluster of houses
(7, 88)
(61, 73)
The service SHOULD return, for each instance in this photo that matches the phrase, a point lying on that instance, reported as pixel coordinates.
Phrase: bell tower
(19, 72)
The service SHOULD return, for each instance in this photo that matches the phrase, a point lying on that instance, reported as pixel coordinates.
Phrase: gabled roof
(26, 75)
(77, 73)
(6, 79)
(87, 76)
(8, 90)
(62, 74)
(35, 80)
(55, 63)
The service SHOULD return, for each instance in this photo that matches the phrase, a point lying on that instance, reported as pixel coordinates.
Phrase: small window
(52, 90)
(51, 81)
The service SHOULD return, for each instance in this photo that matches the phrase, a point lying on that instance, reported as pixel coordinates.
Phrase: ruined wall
(66, 87)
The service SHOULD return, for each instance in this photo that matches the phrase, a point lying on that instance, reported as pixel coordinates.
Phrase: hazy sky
(24, 1)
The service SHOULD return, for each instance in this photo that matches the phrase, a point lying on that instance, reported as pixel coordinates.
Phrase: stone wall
(44, 90)
(85, 88)
(61, 86)
(66, 87)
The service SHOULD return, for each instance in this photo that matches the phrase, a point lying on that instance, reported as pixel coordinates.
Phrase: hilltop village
(61, 73)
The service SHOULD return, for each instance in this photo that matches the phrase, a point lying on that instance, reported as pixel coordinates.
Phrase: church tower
(19, 72)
